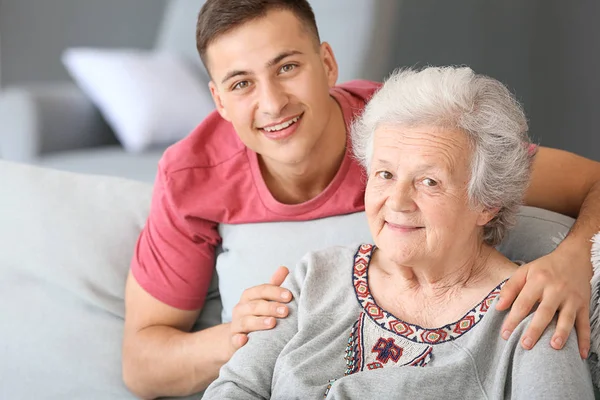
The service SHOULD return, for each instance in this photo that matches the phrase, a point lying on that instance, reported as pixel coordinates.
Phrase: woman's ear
(487, 215)
(214, 92)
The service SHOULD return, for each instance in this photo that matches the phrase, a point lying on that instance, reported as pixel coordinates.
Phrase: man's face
(271, 80)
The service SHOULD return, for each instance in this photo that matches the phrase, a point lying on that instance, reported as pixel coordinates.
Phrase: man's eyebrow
(271, 63)
(233, 74)
(282, 56)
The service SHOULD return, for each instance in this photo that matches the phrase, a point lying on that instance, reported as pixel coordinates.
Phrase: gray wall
(34, 33)
(546, 51)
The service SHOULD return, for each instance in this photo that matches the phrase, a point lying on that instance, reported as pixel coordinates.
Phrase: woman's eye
(241, 85)
(287, 68)
(385, 175)
(429, 182)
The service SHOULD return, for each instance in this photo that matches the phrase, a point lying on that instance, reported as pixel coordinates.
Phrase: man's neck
(301, 182)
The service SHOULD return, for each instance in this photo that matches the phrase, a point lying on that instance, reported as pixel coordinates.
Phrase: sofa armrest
(41, 119)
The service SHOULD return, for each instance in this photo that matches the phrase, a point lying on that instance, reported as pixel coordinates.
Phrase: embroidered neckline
(412, 332)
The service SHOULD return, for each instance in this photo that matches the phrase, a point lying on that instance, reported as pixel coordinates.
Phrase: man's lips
(282, 131)
(282, 121)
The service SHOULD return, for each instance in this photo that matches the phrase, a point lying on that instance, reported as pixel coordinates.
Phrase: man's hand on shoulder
(259, 308)
(558, 288)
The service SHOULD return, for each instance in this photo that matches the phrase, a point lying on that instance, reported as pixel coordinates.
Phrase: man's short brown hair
(220, 16)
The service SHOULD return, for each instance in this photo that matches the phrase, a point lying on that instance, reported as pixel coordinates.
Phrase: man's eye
(429, 182)
(385, 175)
(287, 68)
(241, 85)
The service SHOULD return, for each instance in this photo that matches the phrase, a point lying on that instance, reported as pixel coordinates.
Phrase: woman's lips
(401, 228)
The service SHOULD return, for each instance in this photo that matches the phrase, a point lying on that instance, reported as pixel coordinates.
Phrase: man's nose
(273, 99)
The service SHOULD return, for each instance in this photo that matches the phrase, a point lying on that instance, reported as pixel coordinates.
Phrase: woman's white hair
(482, 108)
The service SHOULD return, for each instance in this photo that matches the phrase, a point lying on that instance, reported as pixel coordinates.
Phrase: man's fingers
(512, 288)
(519, 310)
(256, 308)
(540, 321)
(260, 308)
(279, 276)
(267, 292)
(566, 320)
(582, 325)
(252, 323)
(238, 340)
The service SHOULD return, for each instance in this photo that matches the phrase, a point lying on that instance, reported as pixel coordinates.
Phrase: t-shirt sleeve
(172, 262)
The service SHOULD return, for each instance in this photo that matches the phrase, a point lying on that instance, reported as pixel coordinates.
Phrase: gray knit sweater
(339, 344)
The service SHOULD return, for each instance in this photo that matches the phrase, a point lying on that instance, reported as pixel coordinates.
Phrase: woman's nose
(402, 197)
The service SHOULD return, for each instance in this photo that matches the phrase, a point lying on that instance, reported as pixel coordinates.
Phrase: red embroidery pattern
(374, 365)
(388, 350)
(412, 332)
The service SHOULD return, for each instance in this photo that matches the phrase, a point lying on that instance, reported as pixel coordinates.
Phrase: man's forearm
(577, 243)
(174, 363)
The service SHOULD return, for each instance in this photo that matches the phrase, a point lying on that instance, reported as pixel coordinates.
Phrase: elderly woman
(413, 315)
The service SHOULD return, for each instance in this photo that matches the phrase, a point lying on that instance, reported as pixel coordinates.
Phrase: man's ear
(487, 215)
(330, 64)
(214, 92)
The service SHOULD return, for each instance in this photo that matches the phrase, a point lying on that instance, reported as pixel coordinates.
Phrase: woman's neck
(433, 296)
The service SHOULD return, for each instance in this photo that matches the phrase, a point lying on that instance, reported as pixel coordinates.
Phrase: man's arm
(160, 356)
(569, 184)
(563, 182)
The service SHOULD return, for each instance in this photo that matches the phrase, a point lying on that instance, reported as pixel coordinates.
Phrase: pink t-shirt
(210, 177)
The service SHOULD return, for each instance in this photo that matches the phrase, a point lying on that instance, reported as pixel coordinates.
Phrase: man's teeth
(281, 126)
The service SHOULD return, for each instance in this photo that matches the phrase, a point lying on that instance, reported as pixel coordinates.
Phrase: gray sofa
(56, 125)
(67, 240)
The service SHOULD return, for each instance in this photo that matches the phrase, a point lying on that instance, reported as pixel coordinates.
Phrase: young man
(276, 150)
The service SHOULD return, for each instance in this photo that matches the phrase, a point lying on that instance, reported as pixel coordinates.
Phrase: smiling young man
(277, 149)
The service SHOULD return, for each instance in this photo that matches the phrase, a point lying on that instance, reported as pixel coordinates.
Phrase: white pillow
(149, 99)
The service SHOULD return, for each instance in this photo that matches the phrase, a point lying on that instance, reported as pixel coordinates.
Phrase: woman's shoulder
(327, 264)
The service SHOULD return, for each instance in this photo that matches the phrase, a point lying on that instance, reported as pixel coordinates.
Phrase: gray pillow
(536, 234)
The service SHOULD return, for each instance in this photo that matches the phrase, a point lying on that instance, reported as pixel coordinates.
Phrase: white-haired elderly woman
(412, 315)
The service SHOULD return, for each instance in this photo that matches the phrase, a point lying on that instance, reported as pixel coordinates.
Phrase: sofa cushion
(536, 234)
(66, 243)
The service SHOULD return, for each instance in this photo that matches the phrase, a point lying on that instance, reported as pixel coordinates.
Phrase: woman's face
(416, 198)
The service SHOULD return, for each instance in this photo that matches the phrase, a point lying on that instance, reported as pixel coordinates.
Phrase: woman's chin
(401, 256)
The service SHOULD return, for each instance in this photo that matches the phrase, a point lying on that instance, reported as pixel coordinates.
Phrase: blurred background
(103, 86)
